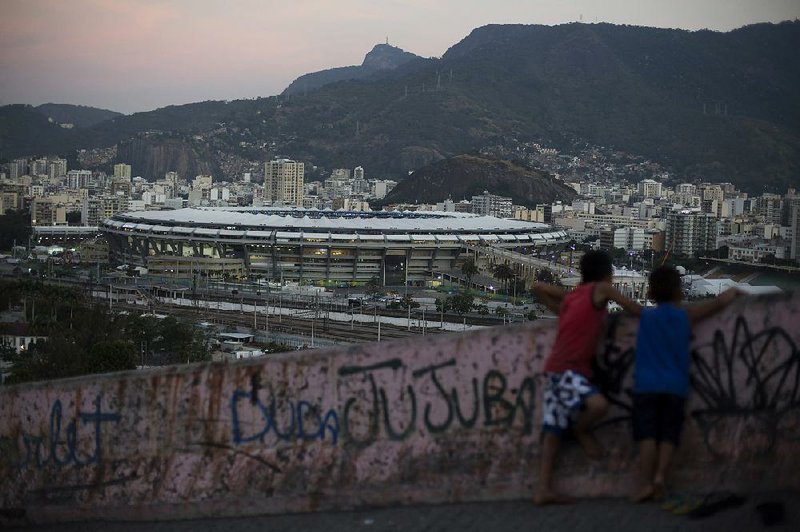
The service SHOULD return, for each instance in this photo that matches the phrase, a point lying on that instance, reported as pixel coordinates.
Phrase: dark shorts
(658, 416)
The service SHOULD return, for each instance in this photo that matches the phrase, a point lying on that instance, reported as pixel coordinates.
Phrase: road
(593, 515)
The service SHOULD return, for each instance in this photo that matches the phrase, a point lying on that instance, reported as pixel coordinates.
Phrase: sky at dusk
(137, 55)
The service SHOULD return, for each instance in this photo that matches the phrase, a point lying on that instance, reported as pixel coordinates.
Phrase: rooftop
(283, 218)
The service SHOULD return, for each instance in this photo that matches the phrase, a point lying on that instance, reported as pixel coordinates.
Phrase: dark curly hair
(665, 284)
(595, 266)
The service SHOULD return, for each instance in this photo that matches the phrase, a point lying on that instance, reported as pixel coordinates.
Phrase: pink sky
(135, 55)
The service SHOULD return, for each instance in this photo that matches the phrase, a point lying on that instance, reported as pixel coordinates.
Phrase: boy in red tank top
(570, 400)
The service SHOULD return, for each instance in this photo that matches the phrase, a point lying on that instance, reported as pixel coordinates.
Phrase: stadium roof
(313, 219)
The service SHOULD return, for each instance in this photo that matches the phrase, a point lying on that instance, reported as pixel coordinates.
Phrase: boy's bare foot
(659, 490)
(543, 497)
(644, 494)
(590, 444)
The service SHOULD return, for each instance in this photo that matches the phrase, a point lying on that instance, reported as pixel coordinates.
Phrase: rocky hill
(464, 176)
(77, 115)
(382, 58)
(24, 131)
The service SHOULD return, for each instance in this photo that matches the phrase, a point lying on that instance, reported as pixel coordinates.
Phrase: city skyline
(137, 56)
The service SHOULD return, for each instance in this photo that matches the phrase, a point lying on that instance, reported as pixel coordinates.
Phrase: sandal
(716, 502)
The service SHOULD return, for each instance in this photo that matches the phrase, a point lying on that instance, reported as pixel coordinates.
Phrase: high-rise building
(689, 232)
(48, 211)
(283, 182)
(56, 168)
(650, 188)
(38, 167)
(97, 208)
(78, 179)
(490, 205)
(794, 225)
(17, 168)
(713, 192)
(122, 170)
(358, 173)
(627, 238)
(381, 187)
(769, 206)
(9, 201)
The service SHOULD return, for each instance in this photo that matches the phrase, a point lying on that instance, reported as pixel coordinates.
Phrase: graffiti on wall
(741, 383)
(492, 402)
(747, 383)
(65, 442)
(744, 382)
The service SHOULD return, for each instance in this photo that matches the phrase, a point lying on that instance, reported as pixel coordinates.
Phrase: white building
(381, 187)
(627, 238)
(689, 232)
(650, 188)
(491, 205)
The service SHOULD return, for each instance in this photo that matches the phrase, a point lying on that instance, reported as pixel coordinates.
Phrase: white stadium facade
(312, 245)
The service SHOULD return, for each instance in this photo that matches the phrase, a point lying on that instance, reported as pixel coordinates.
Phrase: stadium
(397, 248)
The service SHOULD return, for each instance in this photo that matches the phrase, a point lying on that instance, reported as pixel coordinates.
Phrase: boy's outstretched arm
(550, 296)
(605, 292)
(700, 311)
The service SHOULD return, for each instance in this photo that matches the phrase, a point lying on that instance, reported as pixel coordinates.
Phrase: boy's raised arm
(700, 311)
(605, 292)
(550, 296)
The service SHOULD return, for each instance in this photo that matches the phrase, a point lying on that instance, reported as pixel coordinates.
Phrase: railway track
(322, 328)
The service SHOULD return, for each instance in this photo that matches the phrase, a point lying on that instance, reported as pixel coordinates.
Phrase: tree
(504, 273)
(460, 303)
(373, 287)
(15, 226)
(546, 275)
(73, 218)
(84, 338)
(469, 269)
(408, 301)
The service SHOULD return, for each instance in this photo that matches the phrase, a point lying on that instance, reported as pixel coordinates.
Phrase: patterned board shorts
(564, 396)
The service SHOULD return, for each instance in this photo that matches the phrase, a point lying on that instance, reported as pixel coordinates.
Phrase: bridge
(448, 418)
(524, 265)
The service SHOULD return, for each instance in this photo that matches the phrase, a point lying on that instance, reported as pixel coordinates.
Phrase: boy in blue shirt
(661, 375)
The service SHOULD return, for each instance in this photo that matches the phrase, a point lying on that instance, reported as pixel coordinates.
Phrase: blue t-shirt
(662, 351)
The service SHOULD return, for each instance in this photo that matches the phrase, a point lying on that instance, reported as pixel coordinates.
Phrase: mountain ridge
(77, 115)
(382, 57)
(706, 105)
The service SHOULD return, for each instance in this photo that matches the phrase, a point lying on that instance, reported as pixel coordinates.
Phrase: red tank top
(580, 325)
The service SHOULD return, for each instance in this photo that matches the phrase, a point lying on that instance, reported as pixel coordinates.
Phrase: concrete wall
(440, 418)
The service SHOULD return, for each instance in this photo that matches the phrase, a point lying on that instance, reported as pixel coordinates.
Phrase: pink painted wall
(440, 418)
